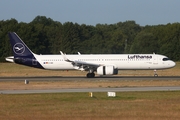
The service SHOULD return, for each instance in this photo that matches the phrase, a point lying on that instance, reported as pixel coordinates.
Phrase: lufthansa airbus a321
(101, 64)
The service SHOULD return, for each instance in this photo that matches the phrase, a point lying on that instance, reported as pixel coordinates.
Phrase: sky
(92, 12)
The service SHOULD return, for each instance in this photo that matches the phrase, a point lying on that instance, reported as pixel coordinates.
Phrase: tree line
(46, 36)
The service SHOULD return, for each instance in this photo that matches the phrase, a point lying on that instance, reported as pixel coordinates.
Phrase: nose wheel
(155, 73)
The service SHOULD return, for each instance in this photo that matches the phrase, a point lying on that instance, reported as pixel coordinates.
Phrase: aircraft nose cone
(173, 64)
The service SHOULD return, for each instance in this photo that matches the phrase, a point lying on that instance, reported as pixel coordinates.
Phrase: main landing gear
(90, 75)
(155, 73)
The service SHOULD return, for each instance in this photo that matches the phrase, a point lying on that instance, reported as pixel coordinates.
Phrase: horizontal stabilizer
(10, 59)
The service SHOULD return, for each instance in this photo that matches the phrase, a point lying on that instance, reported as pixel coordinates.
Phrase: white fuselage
(119, 61)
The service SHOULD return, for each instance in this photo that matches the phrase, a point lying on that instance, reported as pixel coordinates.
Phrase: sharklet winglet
(64, 57)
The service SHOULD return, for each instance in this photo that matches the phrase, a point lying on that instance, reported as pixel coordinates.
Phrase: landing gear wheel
(90, 75)
(155, 74)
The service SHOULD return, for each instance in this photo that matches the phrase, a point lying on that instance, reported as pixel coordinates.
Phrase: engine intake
(107, 70)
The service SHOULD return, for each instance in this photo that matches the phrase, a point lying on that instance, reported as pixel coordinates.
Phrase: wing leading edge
(81, 65)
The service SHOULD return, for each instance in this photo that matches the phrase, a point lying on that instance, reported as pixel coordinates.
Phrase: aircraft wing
(81, 65)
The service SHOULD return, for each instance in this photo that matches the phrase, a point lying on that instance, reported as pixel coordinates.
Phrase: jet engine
(107, 70)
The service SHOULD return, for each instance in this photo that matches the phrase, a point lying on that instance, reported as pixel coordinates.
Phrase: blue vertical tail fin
(22, 54)
(19, 48)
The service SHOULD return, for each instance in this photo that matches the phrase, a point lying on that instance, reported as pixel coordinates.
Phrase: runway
(100, 89)
(73, 78)
(123, 89)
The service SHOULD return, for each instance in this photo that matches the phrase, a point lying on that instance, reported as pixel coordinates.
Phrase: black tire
(90, 75)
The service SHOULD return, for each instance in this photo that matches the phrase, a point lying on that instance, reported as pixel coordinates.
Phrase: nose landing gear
(155, 73)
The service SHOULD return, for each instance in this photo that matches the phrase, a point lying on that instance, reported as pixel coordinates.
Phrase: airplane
(102, 64)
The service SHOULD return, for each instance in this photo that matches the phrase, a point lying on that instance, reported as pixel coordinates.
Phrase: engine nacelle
(107, 70)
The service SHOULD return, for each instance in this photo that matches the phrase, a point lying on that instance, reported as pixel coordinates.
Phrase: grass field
(79, 106)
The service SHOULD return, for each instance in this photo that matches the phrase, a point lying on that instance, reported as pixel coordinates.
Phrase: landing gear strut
(90, 75)
(155, 73)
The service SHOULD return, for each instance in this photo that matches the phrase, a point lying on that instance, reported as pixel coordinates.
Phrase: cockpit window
(165, 59)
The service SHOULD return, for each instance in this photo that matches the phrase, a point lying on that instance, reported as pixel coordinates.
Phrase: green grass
(127, 105)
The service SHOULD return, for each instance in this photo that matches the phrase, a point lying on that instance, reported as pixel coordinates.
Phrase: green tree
(5, 27)
(170, 42)
(144, 43)
(70, 38)
(44, 36)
